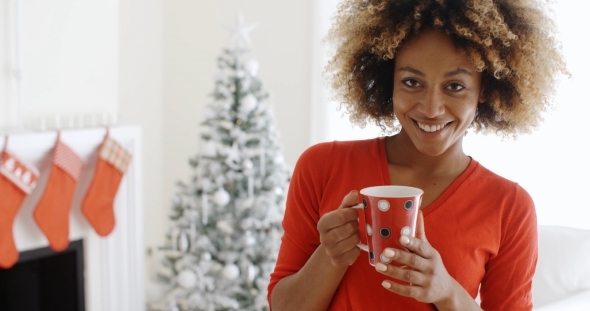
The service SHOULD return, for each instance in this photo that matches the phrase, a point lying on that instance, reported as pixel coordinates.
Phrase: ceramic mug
(387, 213)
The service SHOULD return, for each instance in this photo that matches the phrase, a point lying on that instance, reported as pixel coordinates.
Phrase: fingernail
(353, 191)
(404, 240)
(380, 267)
(389, 252)
(386, 284)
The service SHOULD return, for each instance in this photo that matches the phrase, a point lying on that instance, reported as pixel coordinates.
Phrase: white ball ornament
(230, 272)
(252, 67)
(248, 103)
(210, 149)
(221, 197)
(249, 239)
(206, 256)
(247, 164)
(251, 273)
(187, 279)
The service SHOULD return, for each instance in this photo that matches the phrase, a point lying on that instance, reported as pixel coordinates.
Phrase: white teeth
(430, 128)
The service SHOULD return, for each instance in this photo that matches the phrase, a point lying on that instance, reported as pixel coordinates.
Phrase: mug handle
(362, 246)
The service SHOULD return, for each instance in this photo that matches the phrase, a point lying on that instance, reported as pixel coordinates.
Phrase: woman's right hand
(339, 233)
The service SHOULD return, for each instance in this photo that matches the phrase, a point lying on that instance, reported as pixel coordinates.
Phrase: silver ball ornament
(187, 279)
(221, 197)
(230, 272)
(248, 103)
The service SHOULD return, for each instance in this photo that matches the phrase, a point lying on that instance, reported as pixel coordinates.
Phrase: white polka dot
(406, 231)
(369, 230)
(383, 205)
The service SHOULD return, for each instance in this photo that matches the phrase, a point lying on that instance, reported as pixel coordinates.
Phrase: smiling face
(435, 94)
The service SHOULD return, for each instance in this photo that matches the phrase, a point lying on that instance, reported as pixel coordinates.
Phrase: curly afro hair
(510, 41)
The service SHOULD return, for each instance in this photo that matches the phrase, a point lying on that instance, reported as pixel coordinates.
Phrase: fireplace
(113, 267)
(44, 280)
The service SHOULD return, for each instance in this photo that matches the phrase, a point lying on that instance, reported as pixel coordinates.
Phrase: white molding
(114, 265)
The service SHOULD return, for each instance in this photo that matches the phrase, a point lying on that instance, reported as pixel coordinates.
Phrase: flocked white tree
(226, 221)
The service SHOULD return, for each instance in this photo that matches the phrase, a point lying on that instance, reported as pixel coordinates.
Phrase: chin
(434, 149)
(432, 153)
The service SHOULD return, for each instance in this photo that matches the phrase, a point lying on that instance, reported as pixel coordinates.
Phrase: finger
(418, 246)
(337, 218)
(408, 275)
(347, 258)
(412, 260)
(343, 246)
(349, 200)
(340, 233)
(403, 290)
(420, 230)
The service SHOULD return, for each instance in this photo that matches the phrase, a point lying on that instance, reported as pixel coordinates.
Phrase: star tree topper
(239, 32)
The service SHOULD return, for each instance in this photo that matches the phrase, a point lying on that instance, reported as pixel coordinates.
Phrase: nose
(432, 104)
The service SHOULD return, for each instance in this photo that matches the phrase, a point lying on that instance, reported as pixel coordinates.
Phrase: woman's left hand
(429, 280)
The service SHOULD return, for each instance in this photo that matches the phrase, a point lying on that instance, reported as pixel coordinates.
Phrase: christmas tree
(226, 221)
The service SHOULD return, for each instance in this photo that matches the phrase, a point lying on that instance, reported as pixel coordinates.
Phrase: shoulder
(494, 182)
(338, 150)
(335, 160)
(504, 192)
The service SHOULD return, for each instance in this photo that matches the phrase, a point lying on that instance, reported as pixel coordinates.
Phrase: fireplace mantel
(114, 265)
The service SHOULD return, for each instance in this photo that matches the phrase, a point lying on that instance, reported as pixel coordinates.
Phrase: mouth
(431, 128)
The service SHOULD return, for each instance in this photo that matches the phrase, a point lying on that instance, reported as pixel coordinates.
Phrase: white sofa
(562, 279)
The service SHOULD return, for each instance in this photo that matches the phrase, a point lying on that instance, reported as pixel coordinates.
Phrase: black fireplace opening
(45, 280)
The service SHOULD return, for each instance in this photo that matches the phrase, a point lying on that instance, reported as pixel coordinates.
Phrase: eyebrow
(448, 74)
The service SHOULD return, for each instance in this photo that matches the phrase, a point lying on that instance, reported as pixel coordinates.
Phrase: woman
(434, 69)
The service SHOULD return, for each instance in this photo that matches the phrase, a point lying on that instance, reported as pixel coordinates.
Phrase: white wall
(193, 39)
(140, 98)
(59, 61)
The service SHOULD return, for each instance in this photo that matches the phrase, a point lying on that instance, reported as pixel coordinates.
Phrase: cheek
(466, 111)
(400, 103)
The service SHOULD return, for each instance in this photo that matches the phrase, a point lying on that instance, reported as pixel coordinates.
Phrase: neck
(401, 151)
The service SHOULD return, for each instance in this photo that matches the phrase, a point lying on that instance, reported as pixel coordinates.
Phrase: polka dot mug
(385, 214)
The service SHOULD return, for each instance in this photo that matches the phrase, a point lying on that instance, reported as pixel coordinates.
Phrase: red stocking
(98, 203)
(16, 181)
(52, 214)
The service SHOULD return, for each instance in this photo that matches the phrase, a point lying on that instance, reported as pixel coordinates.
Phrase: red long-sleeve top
(483, 226)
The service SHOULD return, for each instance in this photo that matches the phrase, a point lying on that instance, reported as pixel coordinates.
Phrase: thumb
(420, 231)
(351, 199)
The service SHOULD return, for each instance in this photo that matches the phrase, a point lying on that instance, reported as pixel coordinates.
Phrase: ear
(482, 97)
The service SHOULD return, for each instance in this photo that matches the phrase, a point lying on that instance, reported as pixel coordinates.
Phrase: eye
(410, 82)
(454, 86)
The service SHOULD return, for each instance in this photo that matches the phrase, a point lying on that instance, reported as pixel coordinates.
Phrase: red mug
(387, 213)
